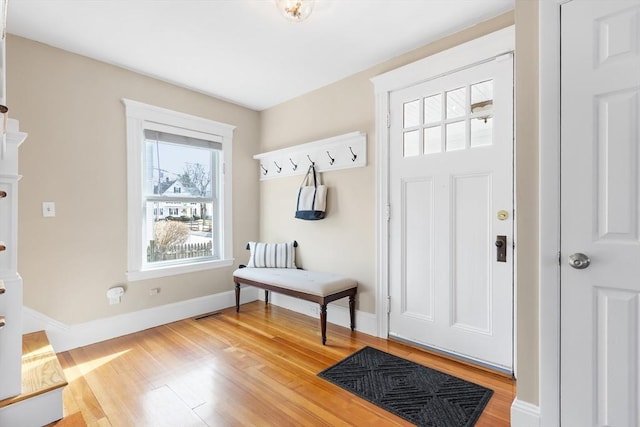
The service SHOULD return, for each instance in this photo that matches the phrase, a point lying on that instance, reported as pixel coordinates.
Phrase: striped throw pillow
(272, 255)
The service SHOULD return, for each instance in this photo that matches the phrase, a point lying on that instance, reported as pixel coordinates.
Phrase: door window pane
(481, 132)
(481, 108)
(411, 142)
(433, 140)
(411, 113)
(456, 136)
(481, 92)
(456, 102)
(433, 109)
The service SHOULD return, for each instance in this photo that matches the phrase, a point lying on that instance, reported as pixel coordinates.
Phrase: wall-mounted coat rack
(339, 152)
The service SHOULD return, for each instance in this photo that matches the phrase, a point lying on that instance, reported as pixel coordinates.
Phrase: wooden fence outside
(188, 250)
(200, 225)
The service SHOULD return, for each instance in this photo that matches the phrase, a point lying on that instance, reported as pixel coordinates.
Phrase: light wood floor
(255, 368)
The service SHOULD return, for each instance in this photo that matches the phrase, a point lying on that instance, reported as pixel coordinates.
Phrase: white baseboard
(524, 414)
(336, 314)
(66, 337)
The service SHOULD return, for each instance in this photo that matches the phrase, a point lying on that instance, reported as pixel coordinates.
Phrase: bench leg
(237, 297)
(266, 297)
(323, 322)
(352, 311)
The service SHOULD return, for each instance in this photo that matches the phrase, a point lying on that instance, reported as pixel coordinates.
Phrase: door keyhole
(501, 248)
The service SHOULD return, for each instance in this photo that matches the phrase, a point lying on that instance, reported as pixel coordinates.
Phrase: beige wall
(75, 156)
(345, 241)
(527, 278)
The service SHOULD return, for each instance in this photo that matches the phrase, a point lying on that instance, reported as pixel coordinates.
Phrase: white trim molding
(524, 414)
(463, 56)
(140, 116)
(64, 337)
(549, 212)
(67, 337)
(336, 314)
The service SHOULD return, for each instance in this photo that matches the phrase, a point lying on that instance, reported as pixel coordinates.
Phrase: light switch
(48, 209)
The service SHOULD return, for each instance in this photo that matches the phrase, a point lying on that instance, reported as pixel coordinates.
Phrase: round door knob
(579, 261)
(499, 243)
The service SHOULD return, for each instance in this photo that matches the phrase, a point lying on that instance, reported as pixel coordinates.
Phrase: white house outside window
(179, 192)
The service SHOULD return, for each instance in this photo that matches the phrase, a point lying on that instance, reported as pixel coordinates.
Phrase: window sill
(173, 270)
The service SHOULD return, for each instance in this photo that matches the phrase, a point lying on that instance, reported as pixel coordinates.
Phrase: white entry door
(600, 219)
(451, 200)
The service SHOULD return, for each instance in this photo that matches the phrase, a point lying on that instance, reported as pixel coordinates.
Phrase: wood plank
(41, 370)
(258, 367)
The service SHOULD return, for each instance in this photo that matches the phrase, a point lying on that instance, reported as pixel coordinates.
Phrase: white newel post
(10, 280)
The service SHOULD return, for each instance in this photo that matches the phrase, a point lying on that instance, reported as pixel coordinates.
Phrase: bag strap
(306, 177)
(309, 176)
(316, 177)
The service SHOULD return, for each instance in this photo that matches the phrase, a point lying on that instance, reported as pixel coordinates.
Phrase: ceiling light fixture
(295, 10)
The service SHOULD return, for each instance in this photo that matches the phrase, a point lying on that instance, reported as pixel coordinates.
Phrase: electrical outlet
(154, 291)
(314, 310)
(48, 209)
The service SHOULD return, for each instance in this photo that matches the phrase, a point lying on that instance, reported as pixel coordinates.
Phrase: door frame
(456, 58)
(549, 212)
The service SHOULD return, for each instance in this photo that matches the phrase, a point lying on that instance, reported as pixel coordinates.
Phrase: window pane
(482, 96)
(178, 169)
(481, 132)
(456, 103)
(179, 230)
(433, 140)
(411, 143)
(456, 136)
(411, 114)
(433, 108)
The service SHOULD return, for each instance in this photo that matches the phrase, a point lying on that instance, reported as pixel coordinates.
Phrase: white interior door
(600, 187)
(451, 195)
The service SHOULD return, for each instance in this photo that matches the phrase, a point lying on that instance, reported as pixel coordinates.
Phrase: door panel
(418, 248)
(600, 140)
(617, 165)
(471, 230)
(450, 173)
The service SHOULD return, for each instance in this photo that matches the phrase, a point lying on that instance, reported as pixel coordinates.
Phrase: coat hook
(355, 156)
(279, 168)
(294, 165)
(312, 162)
(265, 171)
(332, 159)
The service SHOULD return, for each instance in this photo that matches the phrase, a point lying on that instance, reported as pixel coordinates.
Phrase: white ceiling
(244, 51)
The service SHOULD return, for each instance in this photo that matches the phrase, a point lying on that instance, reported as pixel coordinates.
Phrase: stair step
(41, 370)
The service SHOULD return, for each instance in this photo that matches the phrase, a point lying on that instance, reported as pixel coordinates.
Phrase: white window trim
(140, 116)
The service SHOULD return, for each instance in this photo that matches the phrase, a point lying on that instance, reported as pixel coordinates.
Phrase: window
(179, 192)
(457, 119)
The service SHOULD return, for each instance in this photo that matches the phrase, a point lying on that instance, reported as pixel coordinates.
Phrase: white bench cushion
(310, 282)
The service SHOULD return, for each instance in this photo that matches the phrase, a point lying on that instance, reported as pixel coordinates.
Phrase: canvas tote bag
(312, 197)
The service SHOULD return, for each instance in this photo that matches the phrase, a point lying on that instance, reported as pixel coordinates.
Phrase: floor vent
(204, 316)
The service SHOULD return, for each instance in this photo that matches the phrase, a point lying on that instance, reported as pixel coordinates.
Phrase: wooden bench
(321, 288)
